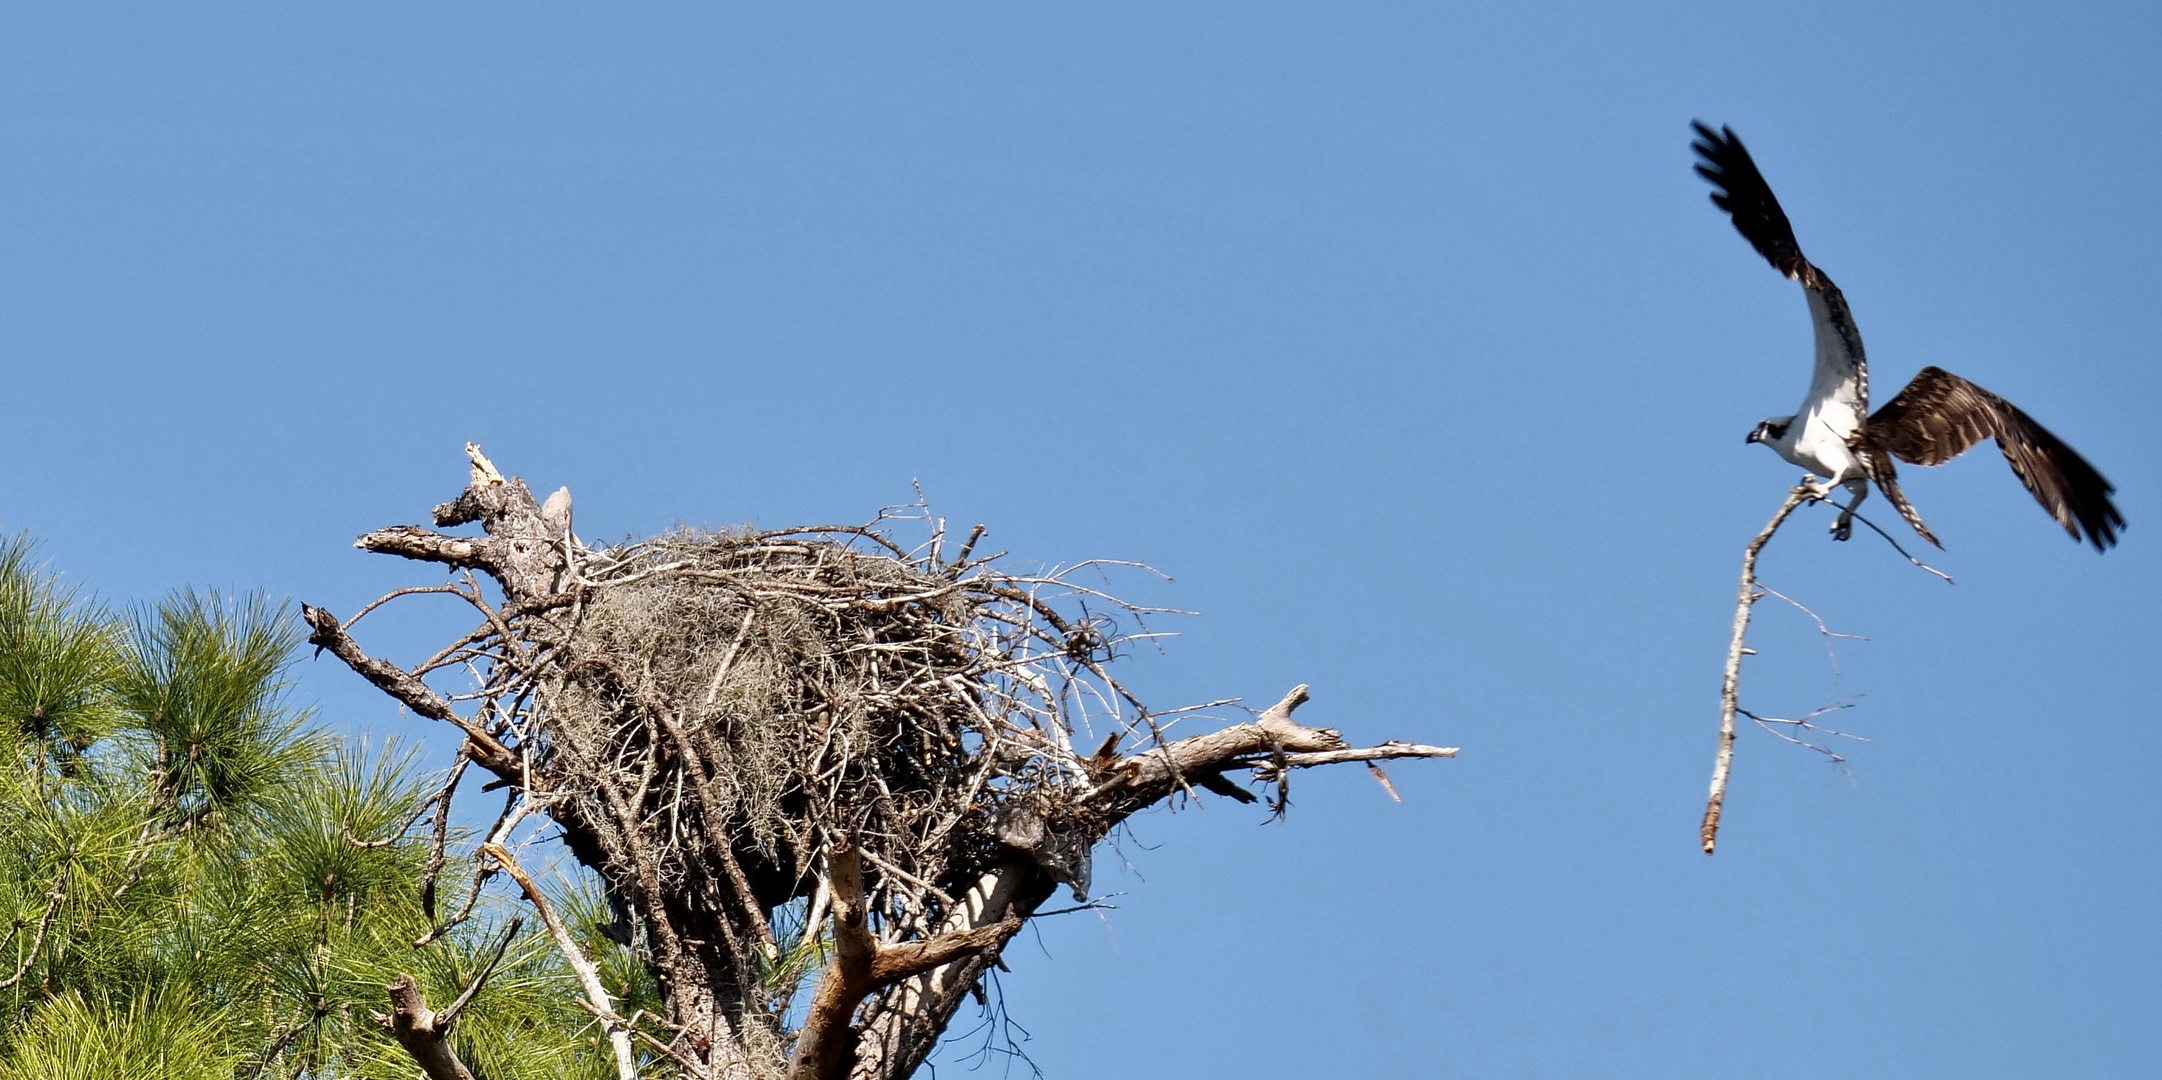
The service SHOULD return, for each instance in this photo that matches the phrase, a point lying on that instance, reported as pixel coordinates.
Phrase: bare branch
(416, 695)
(589, 974)
(1844, 510)
(414, 542)
(439, 833)
(1730, 688)
(1148, 776)
(630, 1023)
(416, 590)
(441, 798)
(1265, 770)
(861, 965)
(449, 1017)
(1773, 724)
(1750, 592)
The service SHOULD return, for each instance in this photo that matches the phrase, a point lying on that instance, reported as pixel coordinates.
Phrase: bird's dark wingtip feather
(2085, 491)
(2094, 511)
(2102, 527)
(1739, 190)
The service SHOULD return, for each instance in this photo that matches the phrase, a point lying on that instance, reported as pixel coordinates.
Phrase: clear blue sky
(1402, 336)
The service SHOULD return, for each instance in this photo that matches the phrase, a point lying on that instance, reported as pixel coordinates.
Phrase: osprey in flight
(1935, 419)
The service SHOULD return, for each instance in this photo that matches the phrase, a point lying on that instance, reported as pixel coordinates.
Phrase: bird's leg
(1857, 490)
(1819, 490)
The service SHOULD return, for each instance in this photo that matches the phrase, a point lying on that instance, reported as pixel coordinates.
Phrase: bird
(1935, 418)
(556, 512)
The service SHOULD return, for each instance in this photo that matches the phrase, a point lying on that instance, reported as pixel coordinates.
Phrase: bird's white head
(1771, 429)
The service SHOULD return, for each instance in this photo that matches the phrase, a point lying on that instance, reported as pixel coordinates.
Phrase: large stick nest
(724, 725)
(774, 691)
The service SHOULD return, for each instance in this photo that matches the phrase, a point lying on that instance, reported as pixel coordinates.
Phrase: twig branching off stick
(1730, 689)
(1888, 539)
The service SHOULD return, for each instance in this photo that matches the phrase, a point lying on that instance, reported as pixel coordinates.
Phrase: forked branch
(425, 1033)
(1737, 645)
(862, 965)
(1269, 746)
(1730, 688)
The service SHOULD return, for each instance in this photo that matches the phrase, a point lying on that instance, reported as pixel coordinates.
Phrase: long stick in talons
(1730, 690)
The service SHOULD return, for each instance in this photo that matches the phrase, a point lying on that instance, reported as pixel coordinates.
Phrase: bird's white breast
(1818, 442)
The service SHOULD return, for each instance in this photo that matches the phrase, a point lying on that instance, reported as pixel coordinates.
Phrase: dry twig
(1750, 592)
(1730, 687)
(588, 973)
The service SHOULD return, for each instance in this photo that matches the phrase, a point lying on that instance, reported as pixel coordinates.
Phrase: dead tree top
(713, 717)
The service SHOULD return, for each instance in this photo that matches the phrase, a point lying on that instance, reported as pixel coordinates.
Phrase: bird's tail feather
(1888, 483)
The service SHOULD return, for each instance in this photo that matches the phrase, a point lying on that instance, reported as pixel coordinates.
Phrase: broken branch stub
(725, 724)
(423, 1033)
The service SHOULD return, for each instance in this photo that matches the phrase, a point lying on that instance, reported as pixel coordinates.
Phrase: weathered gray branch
(414, 542)
(1730, 688)
(1144, 778)
(898, 1039)
(1265, 769)
(487, 751)
(589, 973)
(895, 1042)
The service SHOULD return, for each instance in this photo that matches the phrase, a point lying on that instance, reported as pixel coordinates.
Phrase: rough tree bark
(897, 968)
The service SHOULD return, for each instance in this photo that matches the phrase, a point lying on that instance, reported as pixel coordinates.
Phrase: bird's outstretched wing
(1940, 415)
(1842, 368)
(1746, 198)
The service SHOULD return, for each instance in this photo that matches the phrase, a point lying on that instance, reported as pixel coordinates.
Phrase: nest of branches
(890, 745)
(725, 707)
(771, 692)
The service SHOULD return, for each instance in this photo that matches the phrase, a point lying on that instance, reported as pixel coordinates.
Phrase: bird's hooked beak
(1756, 435)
